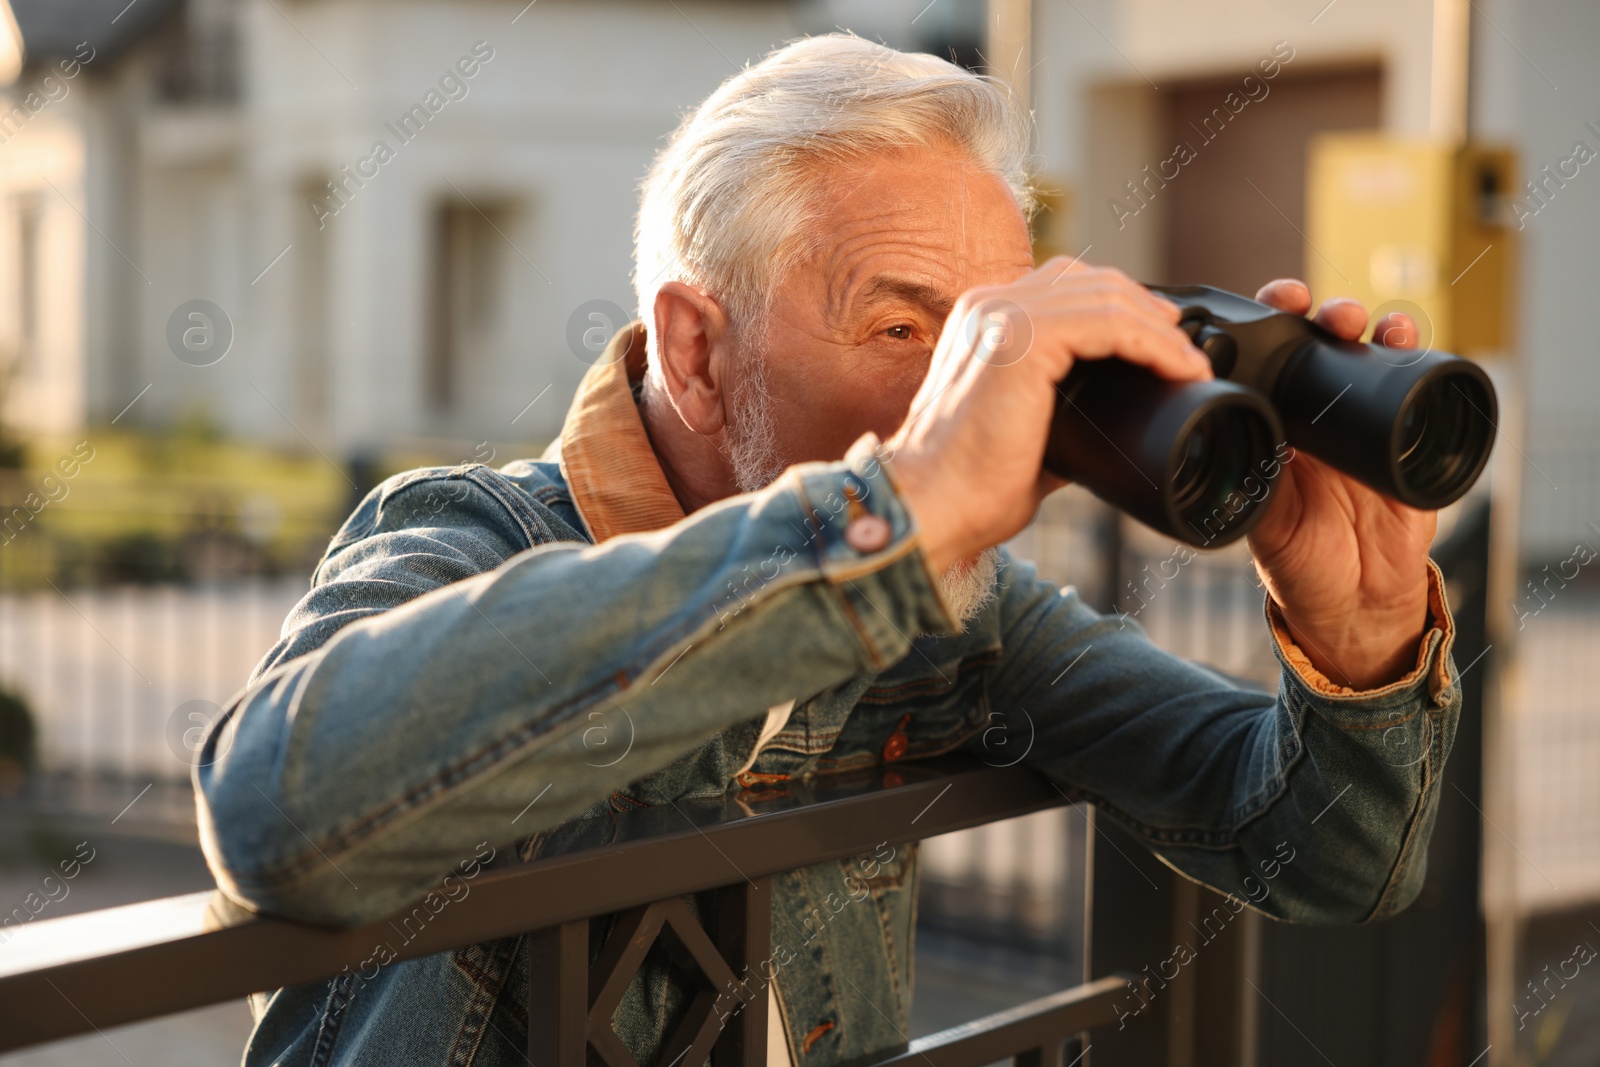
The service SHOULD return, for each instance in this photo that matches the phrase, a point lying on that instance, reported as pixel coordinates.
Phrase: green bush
(18, 741)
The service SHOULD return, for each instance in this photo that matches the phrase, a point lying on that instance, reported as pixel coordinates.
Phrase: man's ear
(692, 338)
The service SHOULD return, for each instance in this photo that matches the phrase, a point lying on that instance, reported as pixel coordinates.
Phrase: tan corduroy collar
(611, 469)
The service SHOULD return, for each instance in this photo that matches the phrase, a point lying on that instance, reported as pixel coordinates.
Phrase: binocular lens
(1190, 459)
(1198, 460)
(1444, 437)
(1216, 485)
(1419, 432)
(1195, 460)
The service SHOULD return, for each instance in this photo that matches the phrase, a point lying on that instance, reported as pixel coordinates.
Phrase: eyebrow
(930, 298)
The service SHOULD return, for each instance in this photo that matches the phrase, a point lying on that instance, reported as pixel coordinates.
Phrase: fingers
(1098, 312)
(1055, 268)
(1286, 294)
(1070, 310)
(1097, 325)
(1343, 317)
(1396, 330)
(1061, 269)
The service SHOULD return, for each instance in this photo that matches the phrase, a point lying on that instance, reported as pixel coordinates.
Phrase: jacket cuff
(1433, 652)
(866, 546)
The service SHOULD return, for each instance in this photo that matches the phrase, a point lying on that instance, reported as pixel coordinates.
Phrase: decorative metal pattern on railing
(101, 969)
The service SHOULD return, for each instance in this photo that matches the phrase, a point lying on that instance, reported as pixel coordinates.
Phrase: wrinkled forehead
(921, 224)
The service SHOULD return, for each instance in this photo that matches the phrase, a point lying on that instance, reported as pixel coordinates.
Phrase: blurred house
(397, 207)
(400, 250)
(214, 151)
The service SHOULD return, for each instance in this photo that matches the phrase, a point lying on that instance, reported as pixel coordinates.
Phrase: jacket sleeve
(1313, 805)
(434, 688)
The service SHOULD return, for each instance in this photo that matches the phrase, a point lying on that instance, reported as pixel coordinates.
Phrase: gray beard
(752, 450)
(969, 586)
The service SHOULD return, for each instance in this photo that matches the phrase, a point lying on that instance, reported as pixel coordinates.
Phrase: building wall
(44, 170)
(557, 127)
(1538, 89)
(1100, 66)
(162, 203)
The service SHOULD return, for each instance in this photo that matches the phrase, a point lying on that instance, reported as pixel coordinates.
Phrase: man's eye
(899, 333)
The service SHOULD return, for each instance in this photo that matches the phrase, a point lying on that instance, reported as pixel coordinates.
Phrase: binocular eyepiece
(1196, 460)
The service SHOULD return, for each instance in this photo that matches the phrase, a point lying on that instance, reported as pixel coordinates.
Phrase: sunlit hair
(727, 206)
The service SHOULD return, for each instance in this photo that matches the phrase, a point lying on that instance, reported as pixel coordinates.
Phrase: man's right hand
(969, 458)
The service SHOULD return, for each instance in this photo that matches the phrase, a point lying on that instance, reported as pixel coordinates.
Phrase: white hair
(728, 202)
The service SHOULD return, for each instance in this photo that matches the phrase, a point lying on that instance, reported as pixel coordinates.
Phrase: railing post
(1129, 931)
(1175, 1015)
(570, 1003)
(1048, 1055)
(558, 995)
(744, 937)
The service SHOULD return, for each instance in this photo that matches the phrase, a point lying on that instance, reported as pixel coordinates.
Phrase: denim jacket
(491, 664)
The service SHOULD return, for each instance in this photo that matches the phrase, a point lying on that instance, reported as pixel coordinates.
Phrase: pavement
(120, 868)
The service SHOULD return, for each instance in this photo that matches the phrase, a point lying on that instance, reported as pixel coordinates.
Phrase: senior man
(768, 532)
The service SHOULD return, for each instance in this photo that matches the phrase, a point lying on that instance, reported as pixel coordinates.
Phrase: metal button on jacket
(867, 533)
(898, 742)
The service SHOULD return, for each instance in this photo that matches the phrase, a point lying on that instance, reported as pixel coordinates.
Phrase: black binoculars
(1196, 460)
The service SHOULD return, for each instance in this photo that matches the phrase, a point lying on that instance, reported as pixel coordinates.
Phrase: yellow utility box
(1417, 227)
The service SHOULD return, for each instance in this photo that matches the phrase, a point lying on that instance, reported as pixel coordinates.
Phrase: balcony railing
(74, 975)
(1261, 993)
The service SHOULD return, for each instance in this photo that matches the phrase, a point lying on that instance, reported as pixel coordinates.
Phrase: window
(465, 300)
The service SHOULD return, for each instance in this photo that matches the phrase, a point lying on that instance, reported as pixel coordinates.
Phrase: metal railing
(78, 974)
(1250, 999)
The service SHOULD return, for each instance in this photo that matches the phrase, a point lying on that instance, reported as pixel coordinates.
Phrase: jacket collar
(611, 469)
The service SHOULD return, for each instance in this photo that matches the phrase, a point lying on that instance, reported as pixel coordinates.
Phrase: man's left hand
(1346, 565)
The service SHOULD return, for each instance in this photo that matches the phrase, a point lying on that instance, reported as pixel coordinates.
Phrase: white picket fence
(109, 672)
